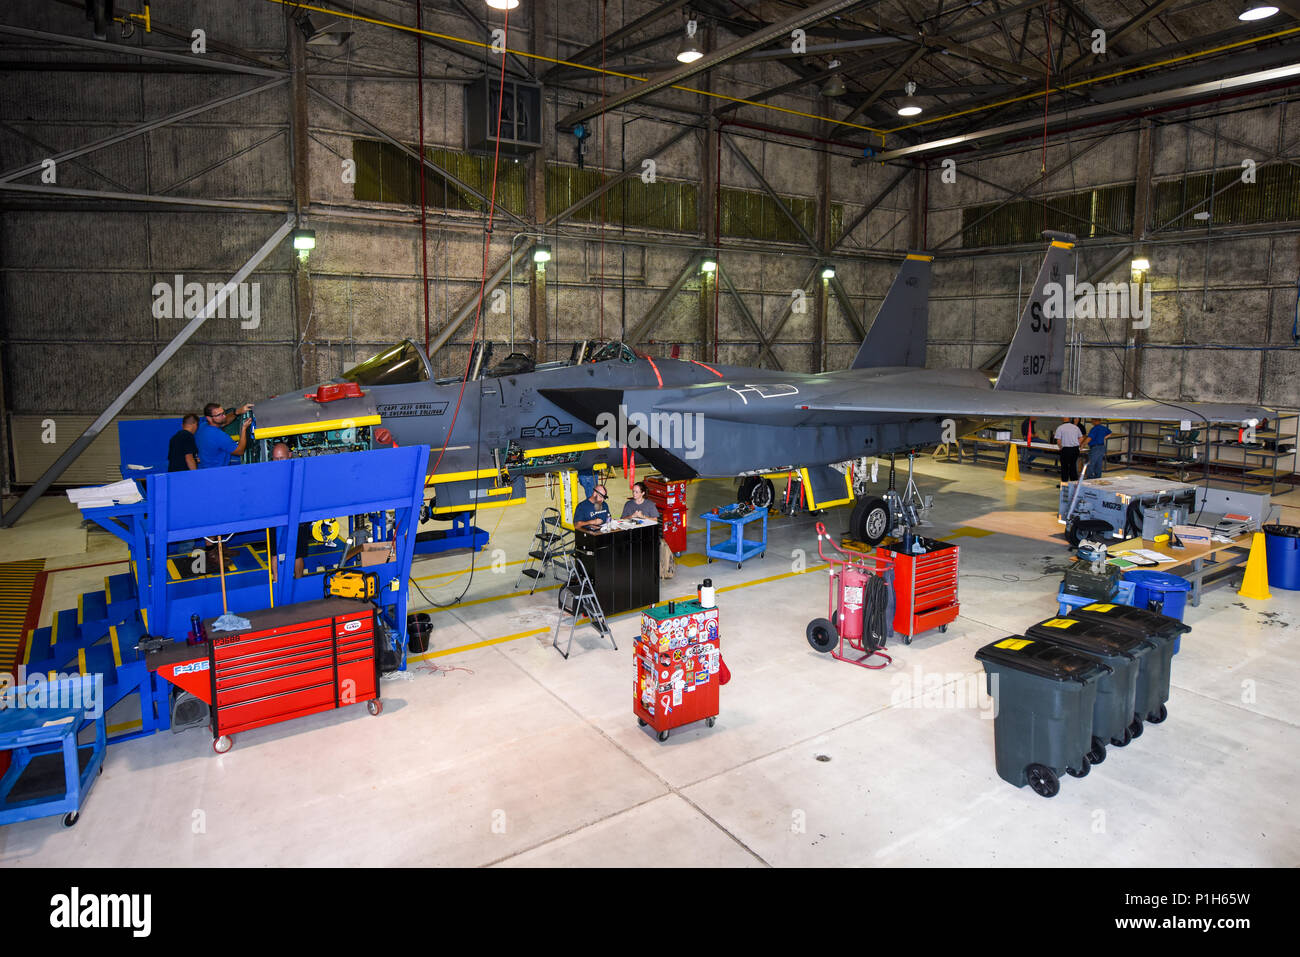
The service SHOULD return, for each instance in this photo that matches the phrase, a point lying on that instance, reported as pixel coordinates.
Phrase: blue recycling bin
(1282, 548)
(1160, 592)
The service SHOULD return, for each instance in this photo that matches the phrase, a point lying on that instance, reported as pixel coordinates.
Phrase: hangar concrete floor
(507, 754)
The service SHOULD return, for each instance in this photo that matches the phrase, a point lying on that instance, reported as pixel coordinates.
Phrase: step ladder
(552, 543)
(578, 598)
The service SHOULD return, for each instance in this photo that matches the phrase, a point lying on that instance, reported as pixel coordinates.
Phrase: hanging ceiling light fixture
(909, 106)
(691, 50)
(502, 4)
(1253, 10)
(835, 85)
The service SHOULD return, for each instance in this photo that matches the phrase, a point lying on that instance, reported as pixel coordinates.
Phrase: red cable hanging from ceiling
(601, 333)
(487, 245)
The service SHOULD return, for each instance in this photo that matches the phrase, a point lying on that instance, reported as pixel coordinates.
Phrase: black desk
(623, 565)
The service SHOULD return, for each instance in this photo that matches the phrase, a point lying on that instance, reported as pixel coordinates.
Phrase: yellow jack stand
(1013, 464)
(1255, 583)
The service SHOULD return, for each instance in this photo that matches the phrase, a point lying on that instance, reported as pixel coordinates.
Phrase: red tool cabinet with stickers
(670, 499)
(678, 667)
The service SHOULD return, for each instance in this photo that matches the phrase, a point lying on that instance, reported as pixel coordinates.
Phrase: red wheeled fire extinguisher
(846, 607)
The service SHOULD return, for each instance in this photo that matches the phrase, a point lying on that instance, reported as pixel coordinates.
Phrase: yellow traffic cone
(1255, 583)
(1013, 464)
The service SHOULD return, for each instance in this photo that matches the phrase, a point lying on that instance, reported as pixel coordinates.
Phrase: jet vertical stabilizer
(1036, 359)
(897, 334)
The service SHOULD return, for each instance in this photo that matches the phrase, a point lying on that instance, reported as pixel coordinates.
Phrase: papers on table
(1142, 556)
(124, 492)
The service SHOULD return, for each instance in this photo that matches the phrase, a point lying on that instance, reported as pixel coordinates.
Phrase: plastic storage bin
(1153, 686)
(1282, 547)
(1114, 715)
(1044, 695)
(1159, 592)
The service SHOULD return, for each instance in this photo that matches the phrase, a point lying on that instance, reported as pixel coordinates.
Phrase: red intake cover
(339, 390)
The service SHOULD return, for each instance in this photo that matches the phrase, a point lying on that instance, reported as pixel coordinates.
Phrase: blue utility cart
(50, 772)
(736, 548)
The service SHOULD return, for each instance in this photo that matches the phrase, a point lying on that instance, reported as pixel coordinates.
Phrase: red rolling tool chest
(295, 660)
(670, 499)
(678, 666)
(925, 586)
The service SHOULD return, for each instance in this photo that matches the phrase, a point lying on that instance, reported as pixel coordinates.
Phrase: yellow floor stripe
(538, 631)
(462, 571)
(478, 644)
(966, 531)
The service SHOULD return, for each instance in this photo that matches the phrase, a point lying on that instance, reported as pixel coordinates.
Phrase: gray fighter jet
(491, 430)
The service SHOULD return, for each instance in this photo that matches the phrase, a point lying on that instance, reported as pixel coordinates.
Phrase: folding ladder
(578, 598)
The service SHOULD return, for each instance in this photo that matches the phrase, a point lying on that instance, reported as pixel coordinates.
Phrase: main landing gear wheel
(756, 492)
(1043, 780)
(223, 744)
(822, 635)
(375, 706)
(870, 521)
(1156, 717)
(1084, 768)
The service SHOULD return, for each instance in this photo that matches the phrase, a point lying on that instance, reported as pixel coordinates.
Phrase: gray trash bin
(1162, 631)
(1114, 718)
(1044, 695)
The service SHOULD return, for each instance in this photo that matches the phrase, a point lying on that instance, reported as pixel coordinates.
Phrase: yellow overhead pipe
(1098, 79)
(577, 66)
(1078, 84)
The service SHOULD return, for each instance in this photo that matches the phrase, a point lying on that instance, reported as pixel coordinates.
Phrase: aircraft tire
(870, 520)
(756, 492)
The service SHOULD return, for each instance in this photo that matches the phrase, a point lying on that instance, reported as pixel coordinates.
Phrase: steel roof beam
(813, 14)
(120, 50)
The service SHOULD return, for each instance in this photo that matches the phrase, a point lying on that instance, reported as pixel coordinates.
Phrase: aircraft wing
(933, 399)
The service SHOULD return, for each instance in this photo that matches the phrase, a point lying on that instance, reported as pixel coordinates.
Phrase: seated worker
(216, 448)
(591, 513)
(182, 451)
(638, 506)
(280, 452)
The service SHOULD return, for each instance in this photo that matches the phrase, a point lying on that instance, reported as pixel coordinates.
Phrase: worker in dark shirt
(279, 453)
(1096, 445)
(592, 512)
(638, 506)
(182, 451)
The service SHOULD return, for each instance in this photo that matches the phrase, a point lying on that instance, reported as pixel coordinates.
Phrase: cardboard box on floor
(372, 553)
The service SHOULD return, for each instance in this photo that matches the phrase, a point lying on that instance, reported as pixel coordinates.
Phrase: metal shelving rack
(1203, 458)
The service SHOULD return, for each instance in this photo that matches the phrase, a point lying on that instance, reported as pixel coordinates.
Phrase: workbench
(1202, 564)
(293, 660)
(998, 450)
(622, 561)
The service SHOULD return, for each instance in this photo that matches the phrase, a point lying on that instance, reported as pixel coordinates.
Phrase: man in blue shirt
(592, 512)
(215, 446)
(1097, 448)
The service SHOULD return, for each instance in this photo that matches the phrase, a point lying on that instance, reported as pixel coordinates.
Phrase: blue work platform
(51, 773)
(282, 496)
(255, 505)
(736, 548)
